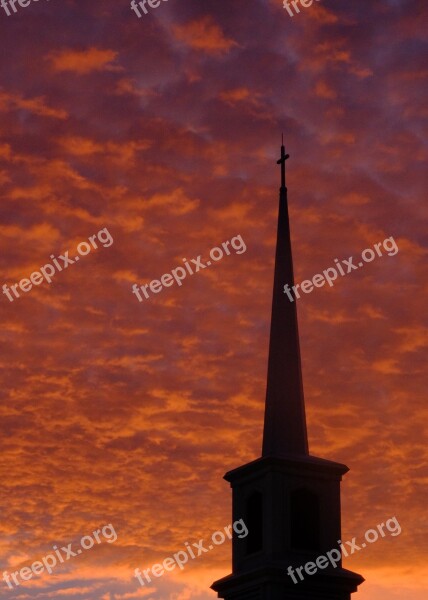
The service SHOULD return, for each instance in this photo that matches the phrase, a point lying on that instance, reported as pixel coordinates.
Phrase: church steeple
(289, 500)
(285, 423)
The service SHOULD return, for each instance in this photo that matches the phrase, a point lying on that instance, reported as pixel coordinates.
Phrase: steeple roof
(285, 422)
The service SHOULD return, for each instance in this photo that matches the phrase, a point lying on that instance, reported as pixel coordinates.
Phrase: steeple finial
(282, 160)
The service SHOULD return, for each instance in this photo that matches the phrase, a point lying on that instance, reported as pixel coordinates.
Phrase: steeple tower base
(271, 583)
(291, 508)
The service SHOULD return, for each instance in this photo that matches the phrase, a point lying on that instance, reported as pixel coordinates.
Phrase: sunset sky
(165, 130)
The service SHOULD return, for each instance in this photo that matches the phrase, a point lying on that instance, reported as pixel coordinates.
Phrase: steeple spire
(285, 423)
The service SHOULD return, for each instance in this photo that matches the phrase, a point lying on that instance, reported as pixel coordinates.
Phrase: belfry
(289, 500)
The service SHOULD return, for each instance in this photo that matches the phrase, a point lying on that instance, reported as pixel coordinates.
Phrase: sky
(162, 133)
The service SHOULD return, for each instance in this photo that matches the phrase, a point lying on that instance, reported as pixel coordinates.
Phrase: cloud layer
(166, 130)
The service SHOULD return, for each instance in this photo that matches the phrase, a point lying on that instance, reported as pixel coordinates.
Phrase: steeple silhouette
(285, 423)
(288, 499)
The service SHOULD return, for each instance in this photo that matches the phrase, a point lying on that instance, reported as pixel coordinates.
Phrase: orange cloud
(10, 101)
(323, 90)
(83, 61)
(235, 94)
(204, 34)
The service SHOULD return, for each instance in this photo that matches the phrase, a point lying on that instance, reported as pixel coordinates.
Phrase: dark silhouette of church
(289, 500)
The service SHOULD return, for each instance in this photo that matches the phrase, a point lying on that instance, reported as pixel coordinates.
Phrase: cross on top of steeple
(282, 160)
